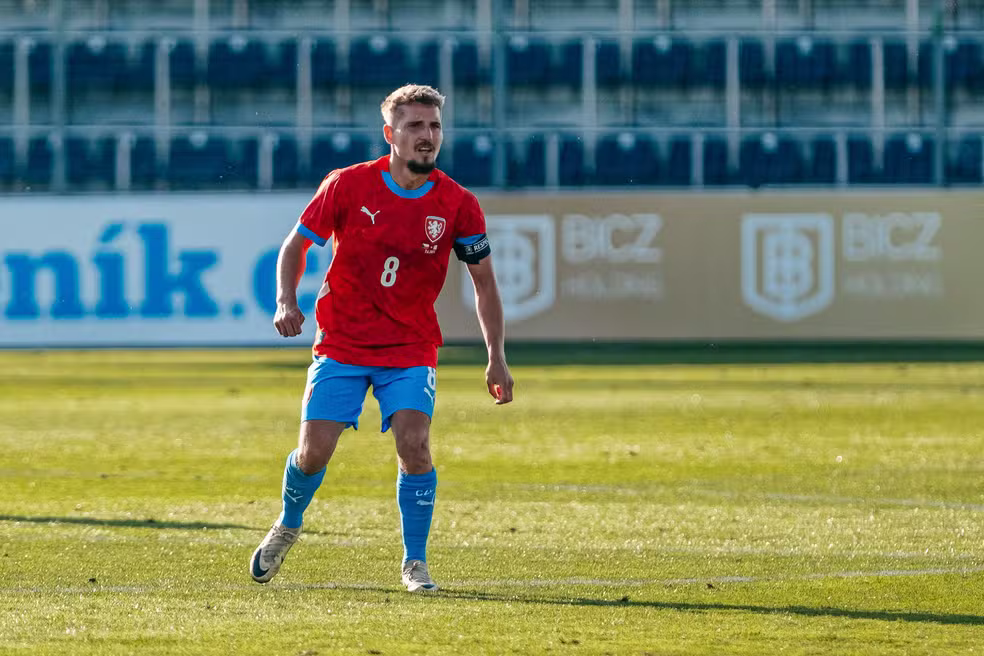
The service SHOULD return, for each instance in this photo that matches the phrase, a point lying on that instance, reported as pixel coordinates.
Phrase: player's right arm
(290, 266)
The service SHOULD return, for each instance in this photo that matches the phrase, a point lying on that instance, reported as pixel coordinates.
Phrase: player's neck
(404, 177)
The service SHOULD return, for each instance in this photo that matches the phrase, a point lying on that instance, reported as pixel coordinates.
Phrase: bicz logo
(524, 252)
(787, 264)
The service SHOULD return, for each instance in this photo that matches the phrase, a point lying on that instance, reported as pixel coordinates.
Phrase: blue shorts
(336, 391)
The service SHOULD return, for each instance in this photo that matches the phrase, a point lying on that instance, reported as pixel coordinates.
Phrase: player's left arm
(488, 306)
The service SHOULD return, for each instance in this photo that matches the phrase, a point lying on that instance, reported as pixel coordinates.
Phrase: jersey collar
(420, 192)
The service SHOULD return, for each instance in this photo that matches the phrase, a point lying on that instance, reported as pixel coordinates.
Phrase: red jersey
(390, 260)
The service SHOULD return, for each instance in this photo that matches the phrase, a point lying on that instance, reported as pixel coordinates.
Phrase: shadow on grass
(807, 611)
(150, 522)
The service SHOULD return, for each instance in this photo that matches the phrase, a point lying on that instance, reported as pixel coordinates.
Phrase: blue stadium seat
(908, 159)
(323, 72)
(465, 66)
(823, 163)
(337, 151)
(571, 165)
(527, 162)
(7, 171)
(281, 69)
(677, 171)
(286, 172)
(626, 158)
(767, 159)
(473, 160)
(198, 161)
(962, 65)
(608, 64)
(141, 73)
(527, 62)
(751, 64)
(236, 62)
(96, 64)
(966, 166)
(716, 170)
(896, 65)
(662, 61)
(806, 63)
(181, 59)
(143, 163)
(857, 68)
(861, 161)
(568, 71)
(378, 61)
(242, 169)
(39, 67)
(6, 67)
(712, 65)
(968, 65)
(40, 159)
(88, 161)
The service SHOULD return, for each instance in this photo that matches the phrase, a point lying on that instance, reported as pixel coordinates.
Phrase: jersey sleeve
(471, 244)
(318, 220)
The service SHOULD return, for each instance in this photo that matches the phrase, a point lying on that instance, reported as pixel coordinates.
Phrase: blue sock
(415, 495)
(298, 490)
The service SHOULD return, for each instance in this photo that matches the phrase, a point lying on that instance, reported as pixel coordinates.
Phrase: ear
(388, 134)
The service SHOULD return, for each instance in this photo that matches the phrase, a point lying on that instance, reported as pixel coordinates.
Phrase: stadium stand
(570, 93)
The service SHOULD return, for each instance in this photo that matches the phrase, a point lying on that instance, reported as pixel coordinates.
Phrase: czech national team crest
(434, 227)
(787, 264)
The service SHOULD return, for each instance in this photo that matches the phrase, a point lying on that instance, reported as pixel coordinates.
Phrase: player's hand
(500, 381)
(288, 319)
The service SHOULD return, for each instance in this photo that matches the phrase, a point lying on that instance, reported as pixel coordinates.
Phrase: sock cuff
(418, 480)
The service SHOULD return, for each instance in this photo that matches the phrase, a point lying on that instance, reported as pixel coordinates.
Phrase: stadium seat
(571, 162)
(242, 168)
(527, 162)
(823, 163)
(712, 64)
(236, 62)
(908, 159)
(143, 163)
(767, 159)
(896, 65)
(198, 161)
(40, 159)
(96, 64)
(473, 161)
(608, 64)
(716, 170)
(89, 161)
(966, 166)
(857, 68)
(142, 72)
(378, 61)
(806, 63)
(968, 65)
(323, 72)
(181, 59)
(662, 62)
(568, 69)
(626, 158)
(860, 161)
(39, 67)
(6, 66)
(465, 66)
(677, 171)
(337, 151)
(7, 170)
(281, 69)
(751, 64)
(527, 62)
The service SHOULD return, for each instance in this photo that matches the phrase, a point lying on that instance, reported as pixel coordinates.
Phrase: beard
(421, 167)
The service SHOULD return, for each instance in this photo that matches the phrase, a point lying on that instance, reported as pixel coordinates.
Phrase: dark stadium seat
(716, 170)
(751, 64)
(861, 161)
(805, 62)
(962, 65)
(181, 59)
(896, 65)
(337, 151)
(142, 71)
(662, 61)
(89, 161)
(465, 66)
(608, 64)
(281, 69)
(40, 159)
(473, 160)
(286, 172)
(908, 159)
(527, 62)
(768, 159)
(857, 68)
(968, 65)
(242, 168)
(198, 161)
(7, 169)
(677, 171)
(378, 61)
(323, 70)
(39, 66)
(965, 168)
(527, 162)
(143, 163)
(712, 64)
(6, 66)
(97, 64)
(626, 158)
(236, 62)
(823, 161)
(569, 64)
(570, 166)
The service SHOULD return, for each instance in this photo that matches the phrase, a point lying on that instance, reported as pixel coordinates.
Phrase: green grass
(630, 509)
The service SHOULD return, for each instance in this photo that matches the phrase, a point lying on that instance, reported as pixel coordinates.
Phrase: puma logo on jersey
(372, 215)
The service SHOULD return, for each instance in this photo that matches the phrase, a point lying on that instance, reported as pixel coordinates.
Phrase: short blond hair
(409, 93)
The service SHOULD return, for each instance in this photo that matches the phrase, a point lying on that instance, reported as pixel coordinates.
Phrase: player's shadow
(149, 522)
(809, 611)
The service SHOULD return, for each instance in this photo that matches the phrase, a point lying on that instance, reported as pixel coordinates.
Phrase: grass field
(612, 509)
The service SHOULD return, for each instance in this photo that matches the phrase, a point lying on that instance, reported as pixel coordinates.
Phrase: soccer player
(394, 222)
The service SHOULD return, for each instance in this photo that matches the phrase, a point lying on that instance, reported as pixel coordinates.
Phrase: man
(394, 222)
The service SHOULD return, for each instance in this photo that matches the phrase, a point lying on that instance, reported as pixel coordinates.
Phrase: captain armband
(474, 252)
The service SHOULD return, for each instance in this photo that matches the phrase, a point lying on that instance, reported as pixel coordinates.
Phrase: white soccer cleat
(417, 578)
(269, 556)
